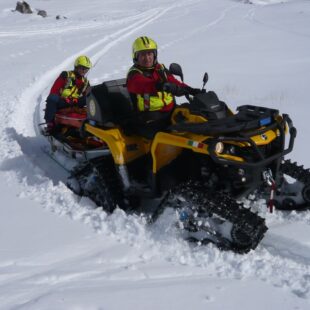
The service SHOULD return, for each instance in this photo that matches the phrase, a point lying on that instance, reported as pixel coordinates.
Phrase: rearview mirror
(176, 69)
(205, 79)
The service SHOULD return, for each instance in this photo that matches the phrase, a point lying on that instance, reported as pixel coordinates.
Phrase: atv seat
(109, 103)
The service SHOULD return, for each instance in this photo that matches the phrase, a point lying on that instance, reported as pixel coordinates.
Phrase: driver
(151, 86)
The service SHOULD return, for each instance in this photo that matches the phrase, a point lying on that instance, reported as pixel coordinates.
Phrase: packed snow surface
(58, 251)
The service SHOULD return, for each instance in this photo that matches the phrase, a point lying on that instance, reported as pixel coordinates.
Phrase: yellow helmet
(83, 61)
(143, 44)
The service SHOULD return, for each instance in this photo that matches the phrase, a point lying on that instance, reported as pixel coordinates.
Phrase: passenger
(69, 90)
(151, 86)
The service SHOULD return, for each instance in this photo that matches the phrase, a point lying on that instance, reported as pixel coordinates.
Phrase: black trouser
(53, 104)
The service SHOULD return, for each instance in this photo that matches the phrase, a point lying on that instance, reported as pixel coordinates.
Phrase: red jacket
(143, 81)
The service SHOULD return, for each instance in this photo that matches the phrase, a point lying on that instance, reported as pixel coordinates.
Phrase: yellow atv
(198, 164)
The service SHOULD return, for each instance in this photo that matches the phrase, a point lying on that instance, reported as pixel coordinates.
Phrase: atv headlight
(219, 147)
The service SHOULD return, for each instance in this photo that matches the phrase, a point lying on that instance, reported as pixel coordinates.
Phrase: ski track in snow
(251, 16)
(202, 28)
(274, 254)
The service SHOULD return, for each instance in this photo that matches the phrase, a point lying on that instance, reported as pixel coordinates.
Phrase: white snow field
(58, 251)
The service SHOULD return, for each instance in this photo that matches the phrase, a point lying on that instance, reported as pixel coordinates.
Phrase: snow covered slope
(59, 252)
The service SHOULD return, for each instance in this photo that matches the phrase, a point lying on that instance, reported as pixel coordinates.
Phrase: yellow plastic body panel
(166, 147)
(124, 149)
(191, 118)
(266, 138)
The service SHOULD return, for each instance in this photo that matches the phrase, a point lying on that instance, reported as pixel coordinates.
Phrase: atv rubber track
(302, 175)
(247, 227)
(98, 181)
(297, 172)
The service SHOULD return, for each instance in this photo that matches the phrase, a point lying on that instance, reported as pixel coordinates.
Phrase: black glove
(177, 90)
(171, 88)
(195, 91)
(168, 87)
